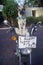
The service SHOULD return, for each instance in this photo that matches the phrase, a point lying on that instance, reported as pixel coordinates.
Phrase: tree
(2, 2)
(32, 2)
(10, 10)
(41, 3)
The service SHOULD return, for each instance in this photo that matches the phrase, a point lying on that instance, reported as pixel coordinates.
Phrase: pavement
(8, 49)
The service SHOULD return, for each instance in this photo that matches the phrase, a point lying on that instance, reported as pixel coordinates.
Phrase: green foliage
(10, 9)
(32, 3)
(34, 20)
(40, 18)
(41, 3)
(2, 2)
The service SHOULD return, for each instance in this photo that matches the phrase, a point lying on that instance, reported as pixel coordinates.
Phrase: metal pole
(30, 59)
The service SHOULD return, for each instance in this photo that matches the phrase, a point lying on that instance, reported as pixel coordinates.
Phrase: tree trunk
(12, 23)
(10, 19)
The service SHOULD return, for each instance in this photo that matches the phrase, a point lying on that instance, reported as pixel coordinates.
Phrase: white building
(34, 11)
(1, 7)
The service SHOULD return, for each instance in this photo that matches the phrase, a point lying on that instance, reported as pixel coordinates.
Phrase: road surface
(8, 48)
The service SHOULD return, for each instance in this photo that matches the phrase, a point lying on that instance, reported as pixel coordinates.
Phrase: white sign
(27, 42)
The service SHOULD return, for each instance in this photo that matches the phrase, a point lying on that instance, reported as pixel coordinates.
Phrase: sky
(20, 2)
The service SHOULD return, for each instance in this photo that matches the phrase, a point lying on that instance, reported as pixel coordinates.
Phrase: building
(34, 11)
(1, 15)
(1, 7)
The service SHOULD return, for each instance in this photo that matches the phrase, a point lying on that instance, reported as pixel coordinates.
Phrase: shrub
(34, 20)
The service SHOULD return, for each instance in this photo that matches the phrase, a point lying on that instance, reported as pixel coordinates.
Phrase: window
(33, 12)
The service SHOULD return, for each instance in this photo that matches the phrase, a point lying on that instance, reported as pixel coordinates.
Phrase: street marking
(5, 28)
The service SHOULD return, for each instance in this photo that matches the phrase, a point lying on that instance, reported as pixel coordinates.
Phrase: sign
(27, 42)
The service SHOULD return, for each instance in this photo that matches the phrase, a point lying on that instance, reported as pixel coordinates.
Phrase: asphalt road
(8, 48)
